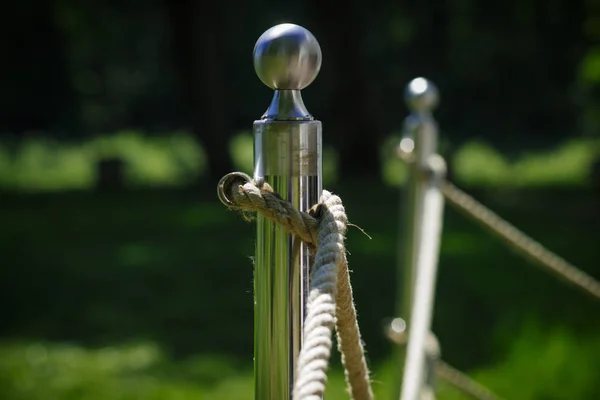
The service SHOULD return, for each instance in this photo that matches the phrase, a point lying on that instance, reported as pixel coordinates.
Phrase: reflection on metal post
(422, 223)
(287, 155)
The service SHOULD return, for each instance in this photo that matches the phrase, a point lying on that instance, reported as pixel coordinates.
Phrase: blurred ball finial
(287, 56)
(421, 95)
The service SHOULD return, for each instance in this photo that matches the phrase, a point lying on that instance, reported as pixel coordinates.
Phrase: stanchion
(287, 156)
(421, 231)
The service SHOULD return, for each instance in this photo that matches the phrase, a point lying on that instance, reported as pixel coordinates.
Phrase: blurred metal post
(421, 231)
(287, 156)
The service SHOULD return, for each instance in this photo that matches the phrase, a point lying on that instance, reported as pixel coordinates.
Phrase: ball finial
(287, 56)
(421, 95)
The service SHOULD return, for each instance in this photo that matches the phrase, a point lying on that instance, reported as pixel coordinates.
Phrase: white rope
(330, 302)
(314, 356)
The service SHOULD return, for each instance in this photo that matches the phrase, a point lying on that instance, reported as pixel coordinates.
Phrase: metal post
(287, 156)
(422, 222)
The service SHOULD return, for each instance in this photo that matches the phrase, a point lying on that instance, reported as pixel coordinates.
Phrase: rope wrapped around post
(330, 301)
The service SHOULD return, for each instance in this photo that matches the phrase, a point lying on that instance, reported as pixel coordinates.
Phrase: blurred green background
(123, 277)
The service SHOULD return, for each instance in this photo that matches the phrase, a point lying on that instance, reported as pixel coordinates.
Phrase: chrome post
(421, 232)
(287, 156)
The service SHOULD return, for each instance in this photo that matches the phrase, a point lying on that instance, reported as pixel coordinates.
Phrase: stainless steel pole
(287, 156)
(422, 214)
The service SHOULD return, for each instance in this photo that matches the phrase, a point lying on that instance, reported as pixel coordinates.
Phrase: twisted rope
(525, 245)
(250, 197)
(513, 237)
(348, 336)
(463, 382)
(330, 301)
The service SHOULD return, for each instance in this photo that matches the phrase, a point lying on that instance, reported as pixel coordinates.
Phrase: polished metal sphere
(287, 56)
(421, 95)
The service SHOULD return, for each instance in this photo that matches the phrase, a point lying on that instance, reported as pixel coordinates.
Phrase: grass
(39, 371)
(478, 164)
(147, 294)
(567, 165)
(540, 364)
(43, 164)
(171, 268)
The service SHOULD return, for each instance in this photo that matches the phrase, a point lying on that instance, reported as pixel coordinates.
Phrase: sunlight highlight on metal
(421, 95)
(398, 325)
(287, 156)
(407, 145)
(418, 86)
(226, 183)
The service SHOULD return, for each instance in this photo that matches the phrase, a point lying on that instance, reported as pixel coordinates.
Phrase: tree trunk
(197, 35)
